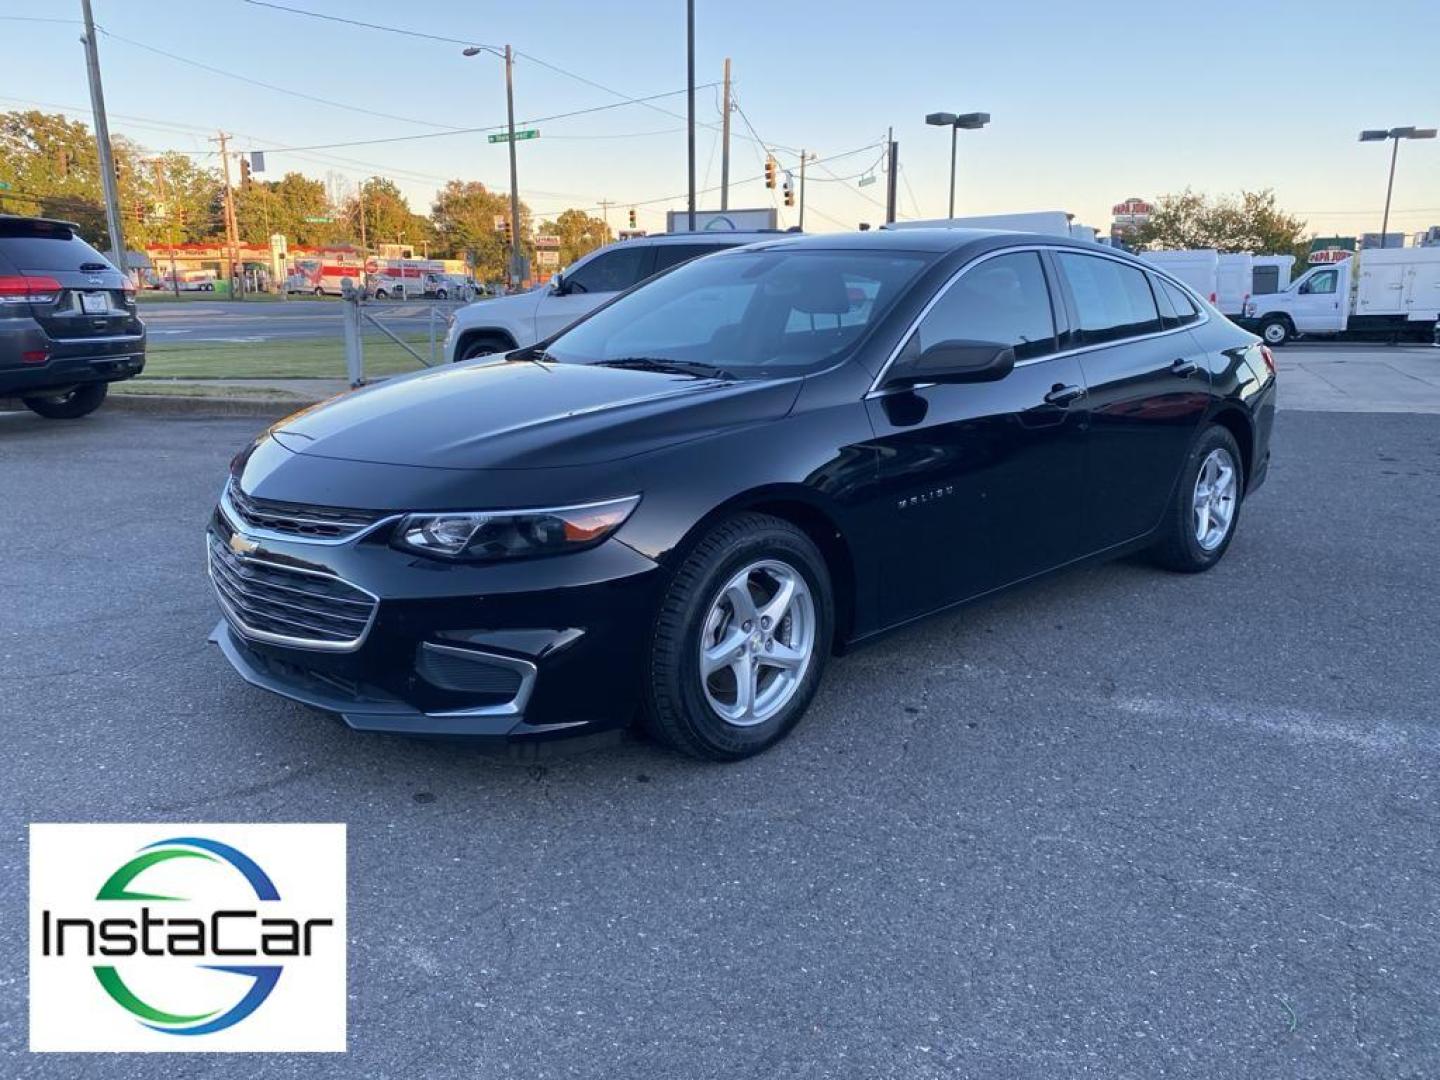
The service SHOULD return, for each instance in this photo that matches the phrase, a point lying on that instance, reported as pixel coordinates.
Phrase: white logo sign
(187, 938)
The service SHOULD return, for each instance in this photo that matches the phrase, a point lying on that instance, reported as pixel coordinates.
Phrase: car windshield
(744, 314)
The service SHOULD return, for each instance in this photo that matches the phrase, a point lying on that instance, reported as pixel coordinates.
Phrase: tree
(579, 232)
(185, 196)
(388, 217)
(1248, 222)
(463, 216)
(290, 206)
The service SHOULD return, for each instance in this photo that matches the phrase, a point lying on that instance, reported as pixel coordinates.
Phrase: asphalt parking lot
(1123, 824)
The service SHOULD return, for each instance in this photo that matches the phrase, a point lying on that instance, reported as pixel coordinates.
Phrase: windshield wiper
(533, 355)
(697, 368)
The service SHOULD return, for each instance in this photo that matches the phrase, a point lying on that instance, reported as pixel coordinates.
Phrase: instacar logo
(188, 943)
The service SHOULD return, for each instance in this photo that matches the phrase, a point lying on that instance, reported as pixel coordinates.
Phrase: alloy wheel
(757, 642)
(1216, 492)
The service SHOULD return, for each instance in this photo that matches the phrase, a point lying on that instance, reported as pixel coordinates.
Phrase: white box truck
(1384, 292)
(1048, 222)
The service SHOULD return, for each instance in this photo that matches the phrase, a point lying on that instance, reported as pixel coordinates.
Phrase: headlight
(485, 536)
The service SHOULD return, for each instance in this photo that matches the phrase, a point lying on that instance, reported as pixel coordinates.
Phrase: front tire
(741, 640)
(1200, 521)
(79, 401)
(484, 346)
(1276, 331)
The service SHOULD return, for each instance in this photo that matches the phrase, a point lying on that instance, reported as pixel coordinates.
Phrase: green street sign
(4, 186)
(864, 180)
(504, 136)
(319, 220)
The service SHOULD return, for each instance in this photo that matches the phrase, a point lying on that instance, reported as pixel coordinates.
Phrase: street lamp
(517, 261)
(969, 122)
(1398, 133)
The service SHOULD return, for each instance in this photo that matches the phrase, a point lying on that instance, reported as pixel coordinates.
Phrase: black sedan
(678, 508)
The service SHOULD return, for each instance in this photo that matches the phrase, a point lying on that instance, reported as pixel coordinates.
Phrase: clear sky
(1092, 100)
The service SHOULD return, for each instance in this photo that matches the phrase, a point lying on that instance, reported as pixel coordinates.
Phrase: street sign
(504, 136)
(4, 186)
(319, 220)
(546, 242)
(866, 180)
(547, 258)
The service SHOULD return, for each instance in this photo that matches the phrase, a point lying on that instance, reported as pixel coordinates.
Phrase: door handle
(1063, 395)
(1184, 368)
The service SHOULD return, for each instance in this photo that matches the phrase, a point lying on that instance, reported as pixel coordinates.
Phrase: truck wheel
(318, 292)
(440, 295)
(485, 346)
(1275, 330)
(72, 404)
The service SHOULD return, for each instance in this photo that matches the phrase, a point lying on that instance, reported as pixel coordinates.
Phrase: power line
(367, 25)
(288, 91)
(475, 130)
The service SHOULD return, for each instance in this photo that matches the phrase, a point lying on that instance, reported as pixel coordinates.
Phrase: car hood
(517, 415)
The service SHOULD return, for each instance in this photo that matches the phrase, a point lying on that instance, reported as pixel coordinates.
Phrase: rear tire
(318, 292)
(1276, 331)
(70, 405)
(1205, 509)
(751, 606)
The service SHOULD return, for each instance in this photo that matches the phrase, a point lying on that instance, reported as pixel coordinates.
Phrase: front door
(980, 483)
(1319, 301)
(590, 284)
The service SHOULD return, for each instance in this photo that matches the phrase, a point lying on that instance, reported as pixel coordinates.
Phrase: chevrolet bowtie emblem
(242, 545)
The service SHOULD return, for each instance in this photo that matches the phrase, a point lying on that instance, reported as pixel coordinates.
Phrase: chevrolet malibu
(677, 509)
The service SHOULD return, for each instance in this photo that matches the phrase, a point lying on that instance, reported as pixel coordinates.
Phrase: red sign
(1329, 255)
(1132, 208)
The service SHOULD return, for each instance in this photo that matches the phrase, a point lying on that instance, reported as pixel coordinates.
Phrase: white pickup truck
(1382, 291)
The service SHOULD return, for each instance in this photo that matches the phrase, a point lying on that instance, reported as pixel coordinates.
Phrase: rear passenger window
(611, 272)
(1176, 307)
(1112, 300)
(1004, 300)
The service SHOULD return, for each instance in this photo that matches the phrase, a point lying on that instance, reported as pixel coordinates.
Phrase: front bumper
(518, 652)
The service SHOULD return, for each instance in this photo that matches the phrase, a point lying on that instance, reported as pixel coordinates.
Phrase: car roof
(738, 236)
(28, 220)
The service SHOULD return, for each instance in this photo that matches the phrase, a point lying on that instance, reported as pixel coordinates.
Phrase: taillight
(22, 288)
(1268, 357)
(1212, 298)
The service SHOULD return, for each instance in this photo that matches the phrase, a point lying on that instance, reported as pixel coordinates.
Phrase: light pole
(517, 260)
(1396, 134)
(967, 121)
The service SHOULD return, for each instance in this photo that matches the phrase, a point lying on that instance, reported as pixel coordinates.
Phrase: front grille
(268, 601)
(296, 519)
(468, 672)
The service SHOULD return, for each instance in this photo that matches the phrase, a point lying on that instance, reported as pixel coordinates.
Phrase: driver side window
(1321, 283)
(1004, 300)
(611, 272)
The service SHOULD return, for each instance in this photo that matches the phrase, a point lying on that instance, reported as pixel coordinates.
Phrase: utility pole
(517, 260)
(605, 205)
(232, 231)
(170, 212)
(360, 205)
(725, 148)
(108, 179)
(803, 156)
(690, 90)
(892, 178)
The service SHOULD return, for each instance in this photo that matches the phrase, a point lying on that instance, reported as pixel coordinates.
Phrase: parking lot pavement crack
(242, 791)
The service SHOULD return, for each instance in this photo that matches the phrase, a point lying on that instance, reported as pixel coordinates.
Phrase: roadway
(257, 321)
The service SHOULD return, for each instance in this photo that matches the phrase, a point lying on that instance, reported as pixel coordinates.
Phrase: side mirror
(955, 362)
(557, 285)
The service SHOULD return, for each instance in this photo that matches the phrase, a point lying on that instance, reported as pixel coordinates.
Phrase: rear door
(1149, 386)
(982, 482)
(93, 301)
(591, 283)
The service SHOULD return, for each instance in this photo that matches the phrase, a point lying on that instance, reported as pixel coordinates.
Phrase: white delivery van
(1270, 273)
(1048, 222)
(1199, 268)
(1380, 291)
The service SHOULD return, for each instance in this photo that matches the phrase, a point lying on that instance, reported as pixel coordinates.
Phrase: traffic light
(770, 170)
(505, 230)
(632, 217)
(244, 171)
(789, 190)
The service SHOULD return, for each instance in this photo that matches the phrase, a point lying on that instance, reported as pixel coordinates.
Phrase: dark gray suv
(68, 321)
